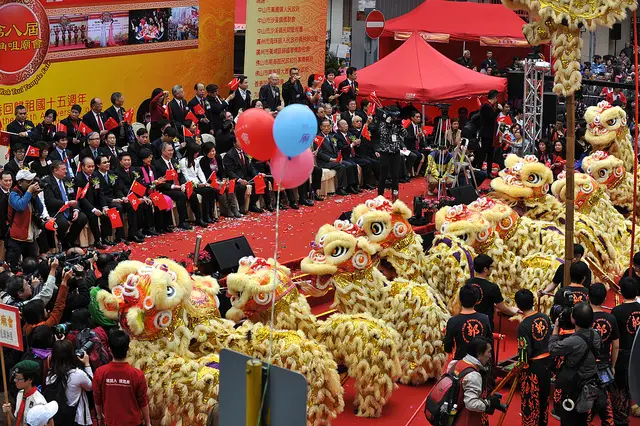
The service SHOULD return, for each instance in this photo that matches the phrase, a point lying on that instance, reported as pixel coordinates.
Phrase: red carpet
(297, 230)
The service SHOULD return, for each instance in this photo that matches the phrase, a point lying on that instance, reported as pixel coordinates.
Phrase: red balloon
(254, 130)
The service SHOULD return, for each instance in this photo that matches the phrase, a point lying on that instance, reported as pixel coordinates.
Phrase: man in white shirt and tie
(95, 118)
(349, 88)
(93, 148)
(179, 107)
(61, 153)
(242, 99)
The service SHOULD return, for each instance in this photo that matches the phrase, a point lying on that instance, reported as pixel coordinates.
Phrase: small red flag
(318, 77)
(32, 151)
(259, 184)
(223, 187)
(232, 186)
(427, 130)
(138, 188)
(317, 141)
(339, 157)
(187, 132)
(171, 175)
(128, 116)
(191, 116)
(159, 201)
(84, 129)
(134, 201)
(110, 124)
(365, 132)
(188, 189)
(346, 89)
(61, 128)
(373, 98)
(406, 123)
(5, 138)
(114, 217)
(198, 109)
(233, 84)
(371, 109)
(82, 192)
(166, 112)
(213, 179)
(63, 208)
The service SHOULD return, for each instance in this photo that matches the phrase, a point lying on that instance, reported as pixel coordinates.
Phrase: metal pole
(568, 226)
(254, 391)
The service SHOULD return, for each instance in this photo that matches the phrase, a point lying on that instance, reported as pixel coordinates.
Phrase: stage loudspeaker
(464, 194)
(549, 108)
(226, 254)
(615, 33)
(515, 85)
(345, 216)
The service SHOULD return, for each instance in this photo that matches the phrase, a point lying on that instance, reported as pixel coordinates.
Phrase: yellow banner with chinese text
(282, 34)
(42, 84)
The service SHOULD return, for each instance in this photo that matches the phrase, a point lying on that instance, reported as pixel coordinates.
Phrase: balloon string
(273, 302)
(635, 148)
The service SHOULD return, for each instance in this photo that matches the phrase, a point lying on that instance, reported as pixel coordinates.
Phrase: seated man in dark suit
(413, 143)
(93, 147)
(21, 126)
(176, 189)
(127, 174)
(365, 155)
(111, 151)
(327, 158)
(238, 167)
(345, 145)
(58, 191)
(350, 113)
(169, 134)
(114, 197)
(17, 163)
(93, 204)
(60, 152)
(142, 141)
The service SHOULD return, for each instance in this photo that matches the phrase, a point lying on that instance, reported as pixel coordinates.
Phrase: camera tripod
(440, 143)
(513, 374)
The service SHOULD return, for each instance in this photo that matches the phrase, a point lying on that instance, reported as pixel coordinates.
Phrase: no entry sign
(374, 24)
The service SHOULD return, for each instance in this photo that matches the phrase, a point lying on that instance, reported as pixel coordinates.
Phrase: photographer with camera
(34, 313)
(576, 389)
(19, 289)
(473, 370)
(605, 324)
(568, 296)
(534, 332)
(88, 337)
(578, 254)
(24, 218)
(390, 133)
(627, 316)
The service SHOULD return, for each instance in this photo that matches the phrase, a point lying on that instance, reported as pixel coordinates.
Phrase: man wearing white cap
(42, 415)
(25, 209)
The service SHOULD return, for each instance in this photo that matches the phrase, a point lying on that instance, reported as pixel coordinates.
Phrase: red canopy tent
(417, 72)
(482, 26)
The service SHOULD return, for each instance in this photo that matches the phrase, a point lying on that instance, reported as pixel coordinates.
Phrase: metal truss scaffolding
(534, 71)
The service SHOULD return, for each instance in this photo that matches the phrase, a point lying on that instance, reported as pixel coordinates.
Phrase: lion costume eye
(612, 122)
(534, 179)
(602, 173)
(170, 292)
(377, 228)
(339, 251)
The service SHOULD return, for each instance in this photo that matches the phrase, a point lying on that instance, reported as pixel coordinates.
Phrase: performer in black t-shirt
(627, 316)
(489, 295)
(462, 328)
(578, 253)
(635, 272)
(535, 380)
(606, 325)
(578, 273)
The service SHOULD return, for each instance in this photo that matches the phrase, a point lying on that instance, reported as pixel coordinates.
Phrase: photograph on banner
(149, 25)
(108, 29)
(68, 32)
(183, 23)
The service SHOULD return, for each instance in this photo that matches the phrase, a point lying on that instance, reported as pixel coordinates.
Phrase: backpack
(56, 391)
(447, 390)
(99, 354)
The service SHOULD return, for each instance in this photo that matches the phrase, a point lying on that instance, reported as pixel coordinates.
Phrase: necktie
(64, 196)
(202, 103)
(415, 130)
(242, 158)
(99, 120)
(95, 154)
(113, 150)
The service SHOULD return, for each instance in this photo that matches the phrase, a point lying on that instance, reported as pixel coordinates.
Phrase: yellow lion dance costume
(342, 258)
(176, 332)
(609, 171)
(607, 131)
(365, 345)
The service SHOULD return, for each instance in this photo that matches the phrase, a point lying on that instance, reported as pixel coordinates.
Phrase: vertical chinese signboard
(10, 337)
(283, 34)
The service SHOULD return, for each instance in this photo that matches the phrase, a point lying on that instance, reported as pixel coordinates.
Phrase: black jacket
(113, 158)
(218, 105)
(178, 113)
(293, 93)
(488, 115)
(124, 133)
(238, 103)
(52, 196)
(344, 145)
(55, 155)
(90, 120)
(328, 150)
(350, 94)
(94, 198)
(267, 98)
(327, 91)
(15, 127)
(4, 208)
(206, 106)
(160, 170)
(205, 165)
(234, 167)
(110, 187)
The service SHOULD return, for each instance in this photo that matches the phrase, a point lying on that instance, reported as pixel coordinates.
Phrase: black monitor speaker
(515, 85)
(615, 33)
(226, 254)
(549, 109)
(464, 194)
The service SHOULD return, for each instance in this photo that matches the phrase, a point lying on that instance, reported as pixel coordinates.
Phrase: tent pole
(424, 121)
(568, 226)
(464, 46)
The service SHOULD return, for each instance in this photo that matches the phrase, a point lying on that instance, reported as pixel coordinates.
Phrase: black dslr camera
(418, 218)
(562, 312)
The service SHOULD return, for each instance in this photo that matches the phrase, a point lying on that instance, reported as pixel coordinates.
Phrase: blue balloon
(294, 129)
